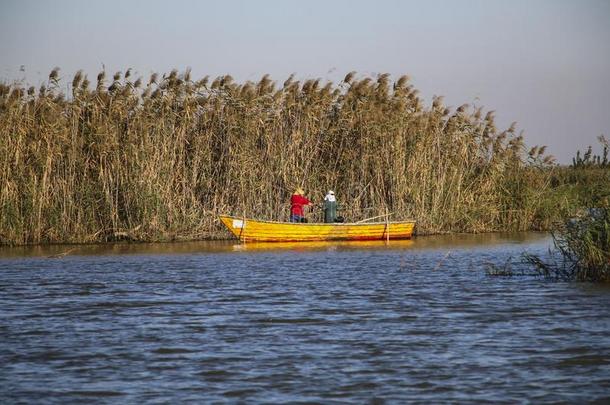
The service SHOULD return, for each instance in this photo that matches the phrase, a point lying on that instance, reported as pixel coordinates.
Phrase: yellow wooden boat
(246, 229)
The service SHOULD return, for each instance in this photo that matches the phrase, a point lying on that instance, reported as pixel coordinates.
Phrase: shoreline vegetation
(582, 248)
(158, 160)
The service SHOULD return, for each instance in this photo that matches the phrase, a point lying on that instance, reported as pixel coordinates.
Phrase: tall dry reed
(159, 160)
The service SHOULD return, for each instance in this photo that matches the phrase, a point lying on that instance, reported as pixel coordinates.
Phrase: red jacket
(297, 202)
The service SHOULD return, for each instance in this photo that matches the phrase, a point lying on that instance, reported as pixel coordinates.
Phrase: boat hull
(246, 229)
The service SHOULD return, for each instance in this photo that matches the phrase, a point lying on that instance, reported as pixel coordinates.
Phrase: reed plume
(160, 162)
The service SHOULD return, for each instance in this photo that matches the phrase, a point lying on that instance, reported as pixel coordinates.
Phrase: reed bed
(159, 159)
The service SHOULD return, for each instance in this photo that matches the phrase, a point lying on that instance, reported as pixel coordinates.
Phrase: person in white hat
(330, 207)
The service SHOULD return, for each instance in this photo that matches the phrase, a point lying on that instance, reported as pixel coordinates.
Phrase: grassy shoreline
(122, 159)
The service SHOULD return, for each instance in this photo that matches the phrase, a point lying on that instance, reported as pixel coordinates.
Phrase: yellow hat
(299, 191)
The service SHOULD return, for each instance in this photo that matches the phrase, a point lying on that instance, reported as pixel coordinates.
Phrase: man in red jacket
(297, 202)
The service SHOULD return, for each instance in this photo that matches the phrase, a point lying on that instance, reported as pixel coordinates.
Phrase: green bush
(583, 244)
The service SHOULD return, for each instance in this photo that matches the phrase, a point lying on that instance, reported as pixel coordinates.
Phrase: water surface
(418, 321)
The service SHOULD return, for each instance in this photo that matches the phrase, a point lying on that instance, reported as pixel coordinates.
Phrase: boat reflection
(323, 245)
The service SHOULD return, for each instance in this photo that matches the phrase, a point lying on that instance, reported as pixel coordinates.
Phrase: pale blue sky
(542, 63)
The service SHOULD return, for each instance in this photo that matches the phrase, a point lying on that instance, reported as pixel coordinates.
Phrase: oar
(378, 216)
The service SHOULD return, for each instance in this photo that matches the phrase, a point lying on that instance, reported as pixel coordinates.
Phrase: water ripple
(419, 322)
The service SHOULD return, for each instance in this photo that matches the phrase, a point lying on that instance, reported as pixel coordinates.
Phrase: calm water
(413, 321)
